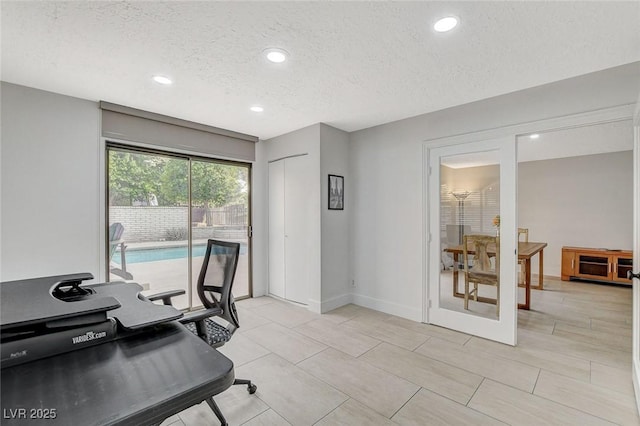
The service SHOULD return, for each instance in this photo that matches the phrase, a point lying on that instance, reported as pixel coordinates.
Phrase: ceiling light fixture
(256, 108)
(445, 24)
(161, 79)
(275, 55)
(534, 136)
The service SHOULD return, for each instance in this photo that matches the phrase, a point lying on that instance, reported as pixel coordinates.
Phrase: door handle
(630, 275)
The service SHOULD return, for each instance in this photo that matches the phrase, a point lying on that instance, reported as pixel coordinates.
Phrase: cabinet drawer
(596, 266)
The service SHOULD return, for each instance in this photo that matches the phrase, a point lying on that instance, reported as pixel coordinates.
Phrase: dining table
(526, 251)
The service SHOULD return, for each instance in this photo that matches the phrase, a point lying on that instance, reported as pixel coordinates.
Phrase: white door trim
(606, 115)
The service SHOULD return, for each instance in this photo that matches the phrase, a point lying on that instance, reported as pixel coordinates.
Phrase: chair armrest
(199, 318)
(165, 296)
(200, 315)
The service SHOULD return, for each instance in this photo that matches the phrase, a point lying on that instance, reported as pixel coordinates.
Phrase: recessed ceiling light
(445, 24)
(256, 108)
(276, 55)
(534, 136)
(162, 79)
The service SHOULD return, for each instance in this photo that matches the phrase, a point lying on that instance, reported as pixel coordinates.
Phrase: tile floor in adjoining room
(357, 366)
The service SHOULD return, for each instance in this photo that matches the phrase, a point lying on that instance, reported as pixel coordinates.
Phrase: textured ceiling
(353, 64)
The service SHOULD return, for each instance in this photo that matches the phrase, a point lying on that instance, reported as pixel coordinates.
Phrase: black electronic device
(47, 316)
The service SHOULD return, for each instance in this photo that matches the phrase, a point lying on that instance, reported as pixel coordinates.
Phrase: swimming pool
(164, 253)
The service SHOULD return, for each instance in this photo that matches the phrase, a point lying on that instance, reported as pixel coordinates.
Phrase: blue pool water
(164, 253)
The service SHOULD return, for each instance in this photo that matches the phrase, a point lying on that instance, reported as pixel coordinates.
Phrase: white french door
(472, 190)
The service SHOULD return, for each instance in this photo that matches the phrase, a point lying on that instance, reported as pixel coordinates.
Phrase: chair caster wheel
(252, 389)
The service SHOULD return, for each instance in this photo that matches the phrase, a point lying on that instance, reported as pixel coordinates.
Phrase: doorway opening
(575, 189)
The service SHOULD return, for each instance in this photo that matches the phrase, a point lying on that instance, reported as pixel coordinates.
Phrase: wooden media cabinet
(597, 264)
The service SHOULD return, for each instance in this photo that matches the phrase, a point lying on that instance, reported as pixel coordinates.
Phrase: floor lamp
(460, 196)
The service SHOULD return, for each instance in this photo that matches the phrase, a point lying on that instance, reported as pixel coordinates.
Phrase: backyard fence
(155, 223)
(227, 215)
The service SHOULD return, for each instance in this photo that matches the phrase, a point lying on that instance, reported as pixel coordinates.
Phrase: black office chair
(215, 283)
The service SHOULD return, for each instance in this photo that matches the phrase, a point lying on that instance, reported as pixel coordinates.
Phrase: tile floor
(356, 366)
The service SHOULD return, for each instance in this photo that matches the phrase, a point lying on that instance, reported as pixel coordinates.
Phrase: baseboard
(413, 314)
(314, 306)
(336, 302)
(385, 306)
(320, 307)
(330, 304)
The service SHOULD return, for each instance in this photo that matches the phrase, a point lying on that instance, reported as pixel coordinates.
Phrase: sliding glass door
(220, 210)
(161, 210)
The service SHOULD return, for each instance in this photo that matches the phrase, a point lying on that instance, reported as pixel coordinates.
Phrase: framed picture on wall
(336, 192)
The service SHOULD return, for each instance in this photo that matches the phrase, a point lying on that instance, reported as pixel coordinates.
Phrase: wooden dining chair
(482, 272)
(522, 232)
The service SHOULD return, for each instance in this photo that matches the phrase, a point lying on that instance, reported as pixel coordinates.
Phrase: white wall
(584, 201)
(386, 168)
(334, 153)
(386, 218)
(329, 260)
(50, 184)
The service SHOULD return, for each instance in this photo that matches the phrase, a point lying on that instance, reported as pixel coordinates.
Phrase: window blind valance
(124, 123)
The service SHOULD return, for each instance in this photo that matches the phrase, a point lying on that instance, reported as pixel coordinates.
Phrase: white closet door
(296, 224)
(276, 229)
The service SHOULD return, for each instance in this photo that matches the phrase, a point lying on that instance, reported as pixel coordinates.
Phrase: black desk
(138, 380)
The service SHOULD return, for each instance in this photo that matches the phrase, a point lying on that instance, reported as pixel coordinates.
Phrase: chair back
(525, 232)
(115, 235)
(215, 281)
(481, 246)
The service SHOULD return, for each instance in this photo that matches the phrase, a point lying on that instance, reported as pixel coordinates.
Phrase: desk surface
(134, 313)
(140, 379)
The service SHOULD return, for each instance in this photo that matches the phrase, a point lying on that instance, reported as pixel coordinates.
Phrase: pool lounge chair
(115, 239)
